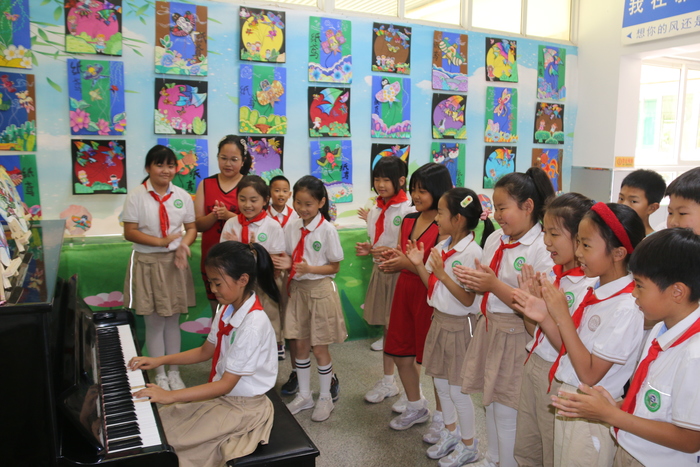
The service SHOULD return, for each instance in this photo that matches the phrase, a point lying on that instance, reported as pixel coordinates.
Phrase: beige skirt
(272, 310)
(211, 432)
(446, 345)
(314, 312)
(380, 292)
(494, 361)
(153, 283)
(625, 459)
(281, 281)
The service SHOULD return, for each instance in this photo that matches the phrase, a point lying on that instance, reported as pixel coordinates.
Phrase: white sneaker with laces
(175, 381)
(434, 429)
(300, 403)
(381, 391)
(409, 418)
(323, 409)
(444, 445)
(463, 454)
(377, 345)
(400, 405)
(162, 381)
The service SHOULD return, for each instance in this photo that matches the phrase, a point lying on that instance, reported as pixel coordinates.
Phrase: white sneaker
(300, 403)
(434, 429)
(175, 381)
(444, 445)
(381, 391)
(162, 381)
(323, 409)
(377, 345)
(409, 418)
(463, 454)
(400, 405)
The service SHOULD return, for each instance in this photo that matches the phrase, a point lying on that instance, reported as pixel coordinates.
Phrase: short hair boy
(684, 201)
(643, 190)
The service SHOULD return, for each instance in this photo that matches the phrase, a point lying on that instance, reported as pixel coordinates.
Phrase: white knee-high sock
(325, 375)
(304, 377)
(172, 337)
(155, 338)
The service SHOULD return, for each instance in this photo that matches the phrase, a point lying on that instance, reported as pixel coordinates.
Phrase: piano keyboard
(130, 423)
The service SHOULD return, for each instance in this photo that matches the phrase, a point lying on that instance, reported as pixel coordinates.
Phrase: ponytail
(533, 184)
(265, 268)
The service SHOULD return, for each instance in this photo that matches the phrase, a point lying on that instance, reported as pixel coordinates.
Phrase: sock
(388, 379)
(415, 405)
(437, 416)
(325, 375)
(304, 377)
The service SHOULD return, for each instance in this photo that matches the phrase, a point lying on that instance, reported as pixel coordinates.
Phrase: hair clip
(466, 201)
(244, 143)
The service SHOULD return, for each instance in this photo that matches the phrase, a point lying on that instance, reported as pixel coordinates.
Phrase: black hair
(534, 184)
(316, 189)
(569, 209)
(686, 185)
(472, 212)
(393, 168)
(159, 154)
(258, 184)
(667, 257)
(242, 145)
(648, 181)
(234, 259)
(630, 221)
(279, 178)
(434, 178)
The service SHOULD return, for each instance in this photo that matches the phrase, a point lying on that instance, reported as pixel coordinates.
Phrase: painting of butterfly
(498, 161)
(192, 161)
(93, 26)
(391, 112)
(330, 43)
(551, 73)
(391, 49)
(181, 107)
(262, 100)
(99, 167)
(549, 123)
(450, 61)
(501, 119)
(24, 176)
(17, 112)
(448, 116)
(96, 96)
(331, 161)
(550, 161)
(501, 60)
(452, 156)
(15, 40)
(262, 35)
(329, 111)
(268, 156)
(402, 151)
(181, 39)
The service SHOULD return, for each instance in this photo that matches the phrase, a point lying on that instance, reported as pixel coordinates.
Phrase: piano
(66, 389)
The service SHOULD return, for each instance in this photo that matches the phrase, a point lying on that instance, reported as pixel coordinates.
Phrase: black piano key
(120, 431)
(124, 443)
(124, 417)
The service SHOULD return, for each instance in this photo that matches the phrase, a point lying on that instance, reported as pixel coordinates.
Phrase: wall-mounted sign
(648, 20)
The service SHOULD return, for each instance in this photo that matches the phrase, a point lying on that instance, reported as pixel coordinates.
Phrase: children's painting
(498, 161)
(331, 161)
(452, 156)
(15, 39)
(267, 153)
(549, 123)
(402, 151)
(329, 111)
(448, 116)
(549, 160)
(501, 60)
(262, 100)
(96, 92)
(11, 205)
(330, 45)
(551, 73)
(181, 39)
(192, 161)
(94, 27)
(181, 107)
(391, 50)
(450, 61)
(22, 171)
(391, 107)
(501, 115)
(99, 167)
(17, 112)
(78, 220)
(262, 35)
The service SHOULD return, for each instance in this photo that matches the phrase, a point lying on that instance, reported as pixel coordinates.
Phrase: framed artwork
(192, 161)
(268, 156)
(181, 39)
(501, 118)
(99, 167)
(262, 35)
(402, 151)
(450, 52)
(96, 93)
(391, 48)
(549, 160)
(17, 112)
(329, 111)
(24, 176)
(549, 123)
(11, 206)
(448, 116)
(498, 161)
(181, 107)
(501, 60)
(331, 161)
(15, 36)
(391, 107)
(452, 156)
(262, 100)
(330, 45)
(551, 73)
(94, 27)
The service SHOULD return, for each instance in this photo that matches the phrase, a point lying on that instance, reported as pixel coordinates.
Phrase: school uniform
(669, 394)
(211, 432)
(283, 218)
(152, 282)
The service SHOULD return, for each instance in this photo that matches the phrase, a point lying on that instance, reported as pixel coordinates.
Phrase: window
(499, 15)
(438, 11)
(549, 18)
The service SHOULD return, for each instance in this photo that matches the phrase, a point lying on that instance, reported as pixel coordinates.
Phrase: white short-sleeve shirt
(250, 350)
(612, 331)
(140, 208)
(392, 223)
(267, 232)
(287, 213)
(669, 394)
(321, 245)
(531, 250)
(467, 250)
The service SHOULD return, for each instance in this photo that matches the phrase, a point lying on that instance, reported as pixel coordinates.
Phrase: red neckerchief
(245, 222)
(298, 253)
(162, 212)
(400, 197)
(495, 266)
(285, 217)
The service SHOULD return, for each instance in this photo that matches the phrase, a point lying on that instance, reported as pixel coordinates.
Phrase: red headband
(613, 222)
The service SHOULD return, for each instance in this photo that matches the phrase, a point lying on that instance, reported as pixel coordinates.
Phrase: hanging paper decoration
(331, 161)
(391, 50)
(15, 40)
(24, 176)
(448, 116)
(192, 161)
(262, 35)
(402, 151)
(452, 156)
(549, 160)
(267, 153)
(94, 27)
(330, 45)
(96, 92)
(263, 100)
(391, 110)
(501, 115)
(99, 167)
(551, 73)
(181, 39)
(501, 60)
(329, 111)
(549, 123)
(78, 220)
(17, 112)
(498, 161)
(450, 61)
(181, 107)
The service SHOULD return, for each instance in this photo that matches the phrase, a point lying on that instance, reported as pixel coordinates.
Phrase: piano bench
(289, 445)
